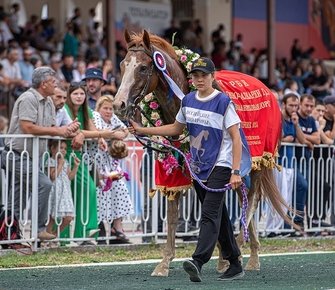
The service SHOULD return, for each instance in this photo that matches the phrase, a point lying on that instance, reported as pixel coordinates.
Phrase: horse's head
(139, 76)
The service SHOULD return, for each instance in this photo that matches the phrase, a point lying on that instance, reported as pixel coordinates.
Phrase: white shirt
(62, 118)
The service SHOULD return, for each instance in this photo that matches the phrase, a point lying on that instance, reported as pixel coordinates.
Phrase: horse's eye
(143, 68)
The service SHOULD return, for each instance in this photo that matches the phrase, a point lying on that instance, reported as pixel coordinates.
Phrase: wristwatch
(235, 172)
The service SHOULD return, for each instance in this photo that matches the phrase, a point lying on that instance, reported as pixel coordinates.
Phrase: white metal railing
(150, 214)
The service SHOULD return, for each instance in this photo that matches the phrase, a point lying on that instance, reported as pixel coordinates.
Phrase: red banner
(259, 112)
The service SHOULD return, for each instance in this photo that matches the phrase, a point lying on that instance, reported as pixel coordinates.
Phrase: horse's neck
(171, 104)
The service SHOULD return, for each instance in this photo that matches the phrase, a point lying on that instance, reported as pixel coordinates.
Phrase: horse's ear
(127, 36)
(146, 39)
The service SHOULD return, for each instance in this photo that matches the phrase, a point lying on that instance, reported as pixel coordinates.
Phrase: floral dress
(115, 202)
(60, 199)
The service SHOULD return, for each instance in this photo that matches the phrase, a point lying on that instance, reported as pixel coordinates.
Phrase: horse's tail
(264, 182)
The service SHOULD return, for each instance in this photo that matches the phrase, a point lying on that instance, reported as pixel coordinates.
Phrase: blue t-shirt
(308, 127)
(287, 151)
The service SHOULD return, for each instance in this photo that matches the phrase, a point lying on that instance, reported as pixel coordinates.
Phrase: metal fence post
(155, 206)
(34, 195)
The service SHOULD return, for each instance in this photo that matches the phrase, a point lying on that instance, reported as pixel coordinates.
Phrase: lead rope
(228, 186)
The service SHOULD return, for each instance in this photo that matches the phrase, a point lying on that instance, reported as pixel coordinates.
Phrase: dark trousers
(215, 224)
(20, 183)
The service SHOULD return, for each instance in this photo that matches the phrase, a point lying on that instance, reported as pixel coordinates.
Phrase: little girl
(60, 200)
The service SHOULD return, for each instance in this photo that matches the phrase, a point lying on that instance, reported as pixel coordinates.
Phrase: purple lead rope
(228, 186)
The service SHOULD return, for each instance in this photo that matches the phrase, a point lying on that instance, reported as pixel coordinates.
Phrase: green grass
(63, 255)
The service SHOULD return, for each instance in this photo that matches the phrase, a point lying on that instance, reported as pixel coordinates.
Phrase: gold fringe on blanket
(171, 192)
(267, 160)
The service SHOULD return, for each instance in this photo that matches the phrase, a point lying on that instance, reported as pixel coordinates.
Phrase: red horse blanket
(259, 112)
(261, 122)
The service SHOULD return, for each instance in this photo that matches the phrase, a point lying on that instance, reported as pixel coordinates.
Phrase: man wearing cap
(94, 83)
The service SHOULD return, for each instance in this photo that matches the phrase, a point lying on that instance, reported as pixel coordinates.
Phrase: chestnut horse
(139, 78)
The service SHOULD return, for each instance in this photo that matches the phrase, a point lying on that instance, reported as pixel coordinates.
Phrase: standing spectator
(322, 188)
(33, 113)
(70, 41)
(84, 188)
(94, 83)
(291, 133)
(318, 113)
(308, 124)
(60, 201)
(59, 98)
(329, 116)
(114, 203)
(76, 21)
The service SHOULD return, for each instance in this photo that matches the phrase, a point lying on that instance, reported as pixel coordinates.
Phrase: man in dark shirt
(329, 116)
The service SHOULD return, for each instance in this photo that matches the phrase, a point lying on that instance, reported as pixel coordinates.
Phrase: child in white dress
(60, 200)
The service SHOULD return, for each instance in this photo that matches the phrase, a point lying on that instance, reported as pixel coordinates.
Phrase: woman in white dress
(114, 203)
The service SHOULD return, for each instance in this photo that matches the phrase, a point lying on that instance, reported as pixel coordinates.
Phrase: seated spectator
(318, 82)
(79, 71)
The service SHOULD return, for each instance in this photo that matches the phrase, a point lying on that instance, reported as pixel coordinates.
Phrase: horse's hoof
(252, 266)
(160, 271)
(160, 274)
(222, 266)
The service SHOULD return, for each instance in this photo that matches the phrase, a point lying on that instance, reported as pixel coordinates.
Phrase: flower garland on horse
(172, 174)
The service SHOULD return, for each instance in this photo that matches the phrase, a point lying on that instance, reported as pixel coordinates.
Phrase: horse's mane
(155, 41)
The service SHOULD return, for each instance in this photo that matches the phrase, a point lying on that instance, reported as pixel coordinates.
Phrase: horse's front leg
(162, 269)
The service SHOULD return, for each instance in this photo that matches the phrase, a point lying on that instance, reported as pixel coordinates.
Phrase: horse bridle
(135, 106)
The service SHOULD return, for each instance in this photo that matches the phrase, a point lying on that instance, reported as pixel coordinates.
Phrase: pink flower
(183, 58)
(169, 163)
(158, 123)
(153, 105)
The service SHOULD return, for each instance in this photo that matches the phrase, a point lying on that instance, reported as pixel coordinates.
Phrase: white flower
(154, 116)
(195, 57)
(148, 97)
(189, 66)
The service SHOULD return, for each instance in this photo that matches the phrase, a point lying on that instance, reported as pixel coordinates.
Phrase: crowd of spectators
(82, 48)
